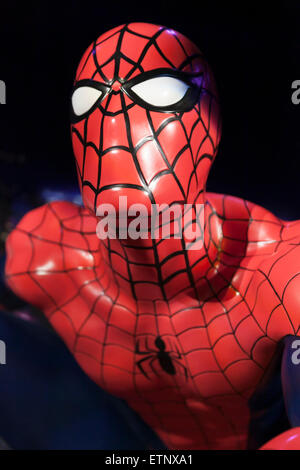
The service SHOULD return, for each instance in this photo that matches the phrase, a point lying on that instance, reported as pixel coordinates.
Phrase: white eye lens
(84, 98)
(161, 91)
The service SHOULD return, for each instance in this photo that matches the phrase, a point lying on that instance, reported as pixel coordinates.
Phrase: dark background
(253, 50)
(45, 399)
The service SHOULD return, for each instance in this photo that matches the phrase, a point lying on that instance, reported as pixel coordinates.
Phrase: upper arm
(34, 262)
(279, 284)
(284, 274)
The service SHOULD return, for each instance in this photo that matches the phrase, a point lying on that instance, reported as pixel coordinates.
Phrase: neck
(160, 269)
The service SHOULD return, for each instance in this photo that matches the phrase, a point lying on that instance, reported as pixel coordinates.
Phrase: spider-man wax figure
(185, 336)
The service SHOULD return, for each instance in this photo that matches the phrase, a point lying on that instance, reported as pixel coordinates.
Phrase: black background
(253, 50)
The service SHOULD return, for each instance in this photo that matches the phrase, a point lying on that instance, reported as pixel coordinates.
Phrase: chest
(185, 347)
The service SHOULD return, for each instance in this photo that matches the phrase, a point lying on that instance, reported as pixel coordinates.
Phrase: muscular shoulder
(255, 229)
(48, 243)
(267, 249)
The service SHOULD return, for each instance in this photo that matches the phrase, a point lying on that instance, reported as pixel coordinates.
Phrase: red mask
(145, 118)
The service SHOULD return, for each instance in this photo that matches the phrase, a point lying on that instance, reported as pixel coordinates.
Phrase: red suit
(184, 336)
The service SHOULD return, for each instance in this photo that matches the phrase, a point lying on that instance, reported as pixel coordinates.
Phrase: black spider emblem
(168, 360)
